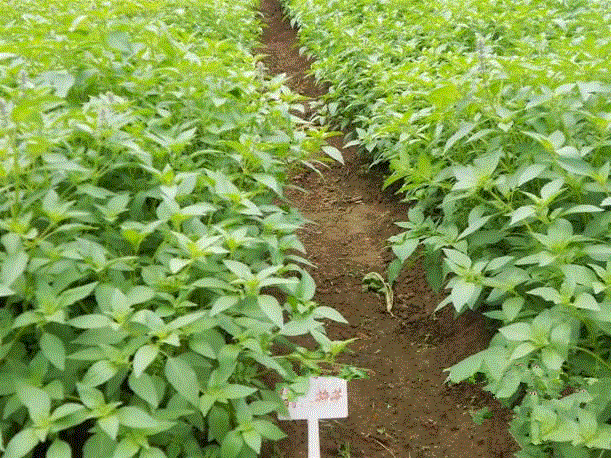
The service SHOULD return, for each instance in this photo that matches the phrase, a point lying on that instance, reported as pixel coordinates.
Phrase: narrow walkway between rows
(403, 410)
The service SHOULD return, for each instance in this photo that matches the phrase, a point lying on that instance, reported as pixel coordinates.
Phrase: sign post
(326, 398)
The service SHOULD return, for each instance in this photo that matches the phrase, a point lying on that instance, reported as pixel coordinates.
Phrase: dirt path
(403, 410)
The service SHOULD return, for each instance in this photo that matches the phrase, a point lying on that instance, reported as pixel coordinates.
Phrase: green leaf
(466, 178)
(233, 391)
(269, 362)
(186, 320)
(546, 417)
(152, 452)
(551, 358)
(199, 343)
(476, 221)
(228, 359)
(26, 319)
(552, 189)
(139, 294)
(232, 444)
(509, 384)
(575, 165)
(434, 269)
(517, 331)
(134, 417)
(252, 439)
(219, 422)
(541, 326)
(582, 209)
(100, 372)
(602, 438)
(561, 335)
(262, 407)
(460, 133)
(268, 430)
(110, 425)
(144, 356)
(53, 349)
(183, 378)
(511, 307)
(21, 444)
(297, 327)
(547, 293)
(587, 424)
(522, 350)
(98, 445)
(464, 293)
(126, 448)
(480, 415)
(13, 267)
(598, 252)
(199, 209)
(466, 368)
(587, 301)
(6, 291)
(239, 269)
(330, 313)
(269, 181)
(90, 396)
(37, 401)
(405, 249)
(59, 449)
(73, 295)
(66, 410)
(458, 258)
(91, 321)
(62, 82)
(119, 41)
(306, 288)
(223, 303)
(530, 173)
(333, 152)
(270, 306)
(522, 213)
(144, 387)
(393, 270)
(111, 299)
(206, 401)
(177, 264)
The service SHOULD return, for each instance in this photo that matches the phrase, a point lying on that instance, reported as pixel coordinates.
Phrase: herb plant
(150, 275)
(494, 120)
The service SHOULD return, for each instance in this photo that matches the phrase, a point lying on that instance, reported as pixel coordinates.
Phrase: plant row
(150, 275)
(494, 119)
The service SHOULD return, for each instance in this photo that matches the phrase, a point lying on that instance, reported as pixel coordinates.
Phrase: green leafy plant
(149, 267)
(495, 126)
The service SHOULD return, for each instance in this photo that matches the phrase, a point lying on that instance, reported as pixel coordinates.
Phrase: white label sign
(327, 398)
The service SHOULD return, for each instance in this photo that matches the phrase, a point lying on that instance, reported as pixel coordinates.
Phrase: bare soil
(404, 409)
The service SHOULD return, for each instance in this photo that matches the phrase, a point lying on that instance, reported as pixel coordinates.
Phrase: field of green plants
(148, 262)
(494, 118)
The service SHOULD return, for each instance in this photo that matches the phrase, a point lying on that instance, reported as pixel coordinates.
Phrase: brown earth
(404, 409)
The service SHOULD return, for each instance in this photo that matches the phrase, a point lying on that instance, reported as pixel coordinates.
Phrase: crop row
(494, 118)
(150, 276)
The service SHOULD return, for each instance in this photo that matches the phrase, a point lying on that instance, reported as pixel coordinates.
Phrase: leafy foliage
(494, 120)
(148, 263)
